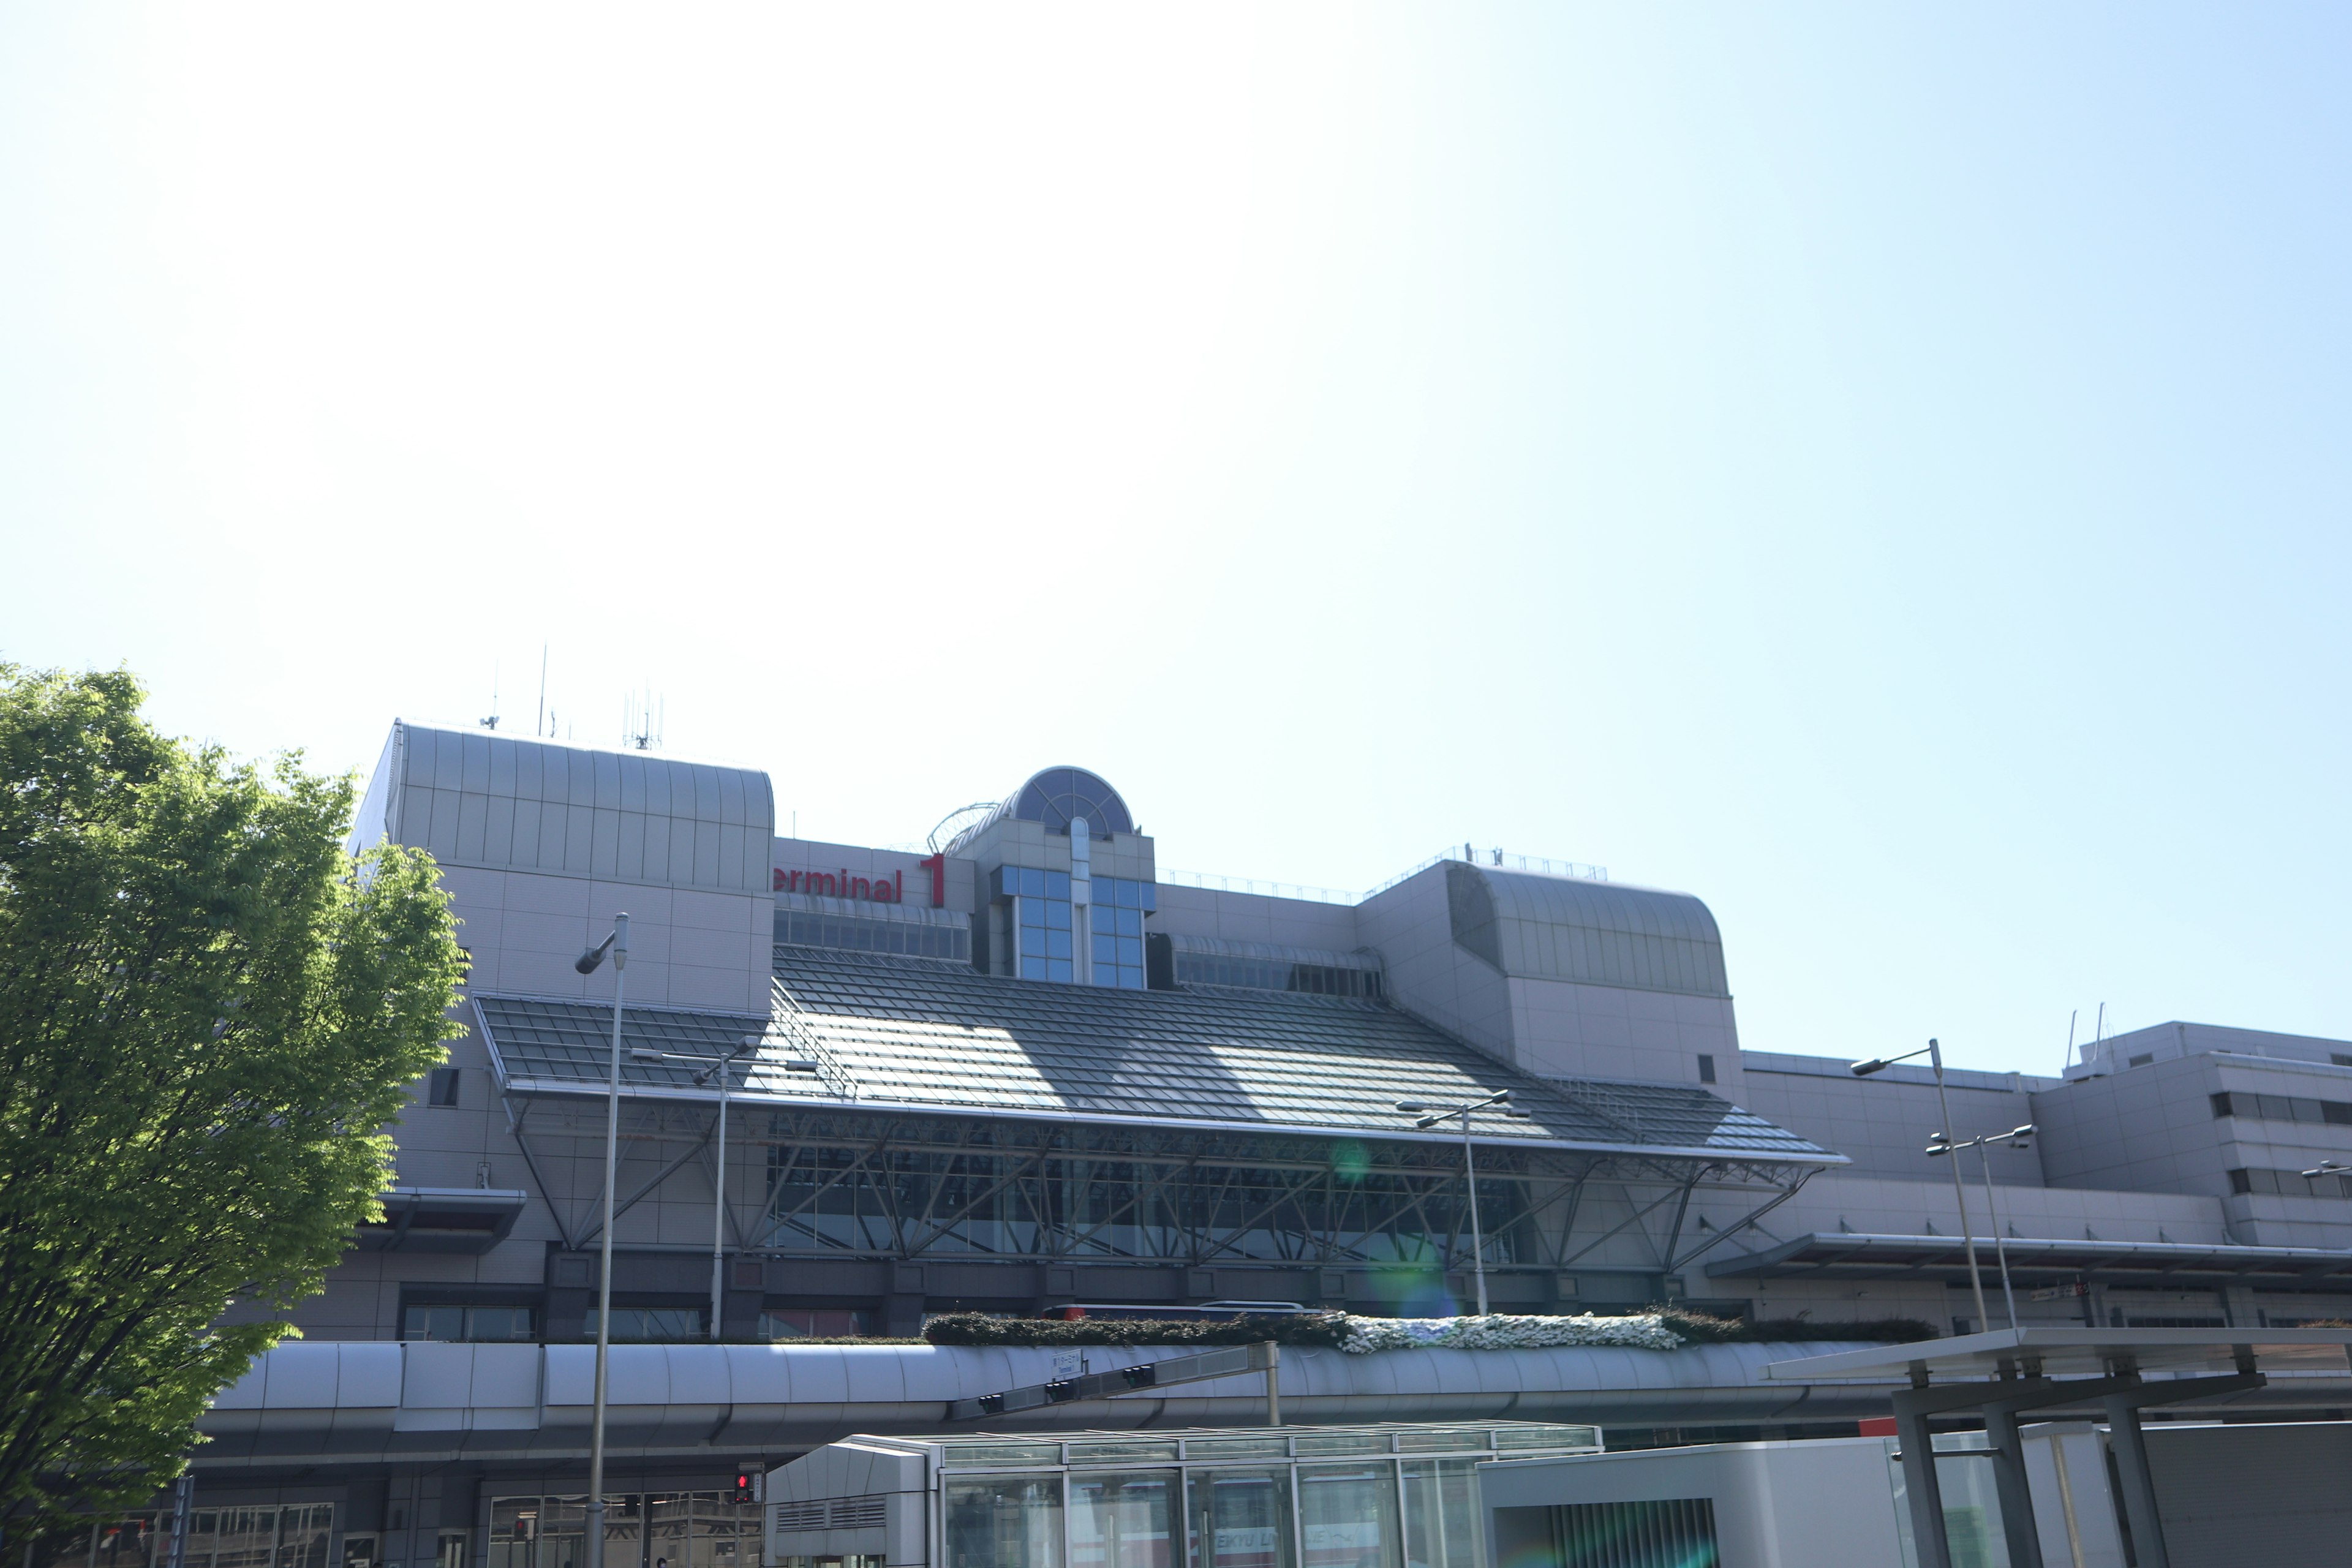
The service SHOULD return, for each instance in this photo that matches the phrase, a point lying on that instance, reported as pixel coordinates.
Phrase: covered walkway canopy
(2121, 1371)
(1838, 1254)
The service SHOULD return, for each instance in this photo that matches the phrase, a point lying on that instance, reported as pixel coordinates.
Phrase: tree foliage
(208, 1011)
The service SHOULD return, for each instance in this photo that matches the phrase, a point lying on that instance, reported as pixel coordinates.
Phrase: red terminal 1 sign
(890, 889)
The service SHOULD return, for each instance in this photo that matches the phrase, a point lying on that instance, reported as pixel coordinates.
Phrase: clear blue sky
(1881, 468)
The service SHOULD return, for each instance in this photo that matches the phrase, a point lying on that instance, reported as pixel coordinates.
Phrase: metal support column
(1919, 1485)
(2010, 1483)
(2130, 1447)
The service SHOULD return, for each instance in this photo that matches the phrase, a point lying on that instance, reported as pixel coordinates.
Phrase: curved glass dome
(1057, 795)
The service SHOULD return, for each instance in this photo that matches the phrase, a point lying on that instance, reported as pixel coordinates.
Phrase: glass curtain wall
(294, 1535)
(1440, 1519)
(900, 1200)
(1348, 1515)
(677, 1529)
(1123, 1519)
(1239, 1519)
(1003, 1522)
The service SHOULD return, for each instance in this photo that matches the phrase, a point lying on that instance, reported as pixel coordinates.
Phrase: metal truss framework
(848, 1183)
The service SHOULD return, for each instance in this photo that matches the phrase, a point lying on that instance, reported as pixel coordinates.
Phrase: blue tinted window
(1150, 895)
(1033, 883)
(1106, 952)
(1130, 895)
(1058, 969)
(1057, 944)
(1130, 922)
(1058, 885)
(1130, 950)
(1057, 915)
(1032, 941)
(1032, 968)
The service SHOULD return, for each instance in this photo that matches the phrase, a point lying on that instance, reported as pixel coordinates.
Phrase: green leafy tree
(208, 1011)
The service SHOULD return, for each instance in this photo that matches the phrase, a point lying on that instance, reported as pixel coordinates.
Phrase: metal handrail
(1501, 858)
(793, 1020)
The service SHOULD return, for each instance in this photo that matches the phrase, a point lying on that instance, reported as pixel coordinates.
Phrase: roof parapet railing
(792, 1024)
(1212, 882)
(1469, 854)
(1501, 860)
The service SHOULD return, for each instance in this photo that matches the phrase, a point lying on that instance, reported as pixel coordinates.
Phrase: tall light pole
(717, 1068)
(1941, 1143)
(1429, 1118)
(617, 945)
(1935, 1055)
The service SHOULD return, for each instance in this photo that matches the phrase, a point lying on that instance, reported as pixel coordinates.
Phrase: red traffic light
(746, 1487)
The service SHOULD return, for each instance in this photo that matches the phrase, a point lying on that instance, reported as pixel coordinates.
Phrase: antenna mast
(492, 721)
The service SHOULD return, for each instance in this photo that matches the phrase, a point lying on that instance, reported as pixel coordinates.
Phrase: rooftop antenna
(641, 719)
(492, 721)
(2071, 1019)
(541, 727)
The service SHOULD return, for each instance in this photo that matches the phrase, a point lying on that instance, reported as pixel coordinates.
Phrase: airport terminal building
(1024, 1069)
(1041, 1074)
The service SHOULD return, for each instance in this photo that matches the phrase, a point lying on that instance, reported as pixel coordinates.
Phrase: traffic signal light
(747, 1486)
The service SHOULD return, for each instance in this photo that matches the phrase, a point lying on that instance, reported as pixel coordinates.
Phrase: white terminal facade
(1024, 1070)
(1046, 1075)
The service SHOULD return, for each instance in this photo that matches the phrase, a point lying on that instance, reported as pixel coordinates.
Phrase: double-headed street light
(1941, 1143)
(717, 1068)
(1430, 1116)
(616, 944)
(1935, 1055)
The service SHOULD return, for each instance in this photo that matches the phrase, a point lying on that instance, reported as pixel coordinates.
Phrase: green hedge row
(1327, 1329)
(1282, 1328)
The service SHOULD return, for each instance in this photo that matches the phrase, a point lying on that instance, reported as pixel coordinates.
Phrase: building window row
(797, 929)
(2290, 1184)
(1273, 974)
(1046, 925)
(2282, 1108)
(468, 1325)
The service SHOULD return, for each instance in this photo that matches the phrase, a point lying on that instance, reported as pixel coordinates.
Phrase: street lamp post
(1941, 1143)
(717, 1068)
(617, 945)
(1935, 1055)
(1429, 1118)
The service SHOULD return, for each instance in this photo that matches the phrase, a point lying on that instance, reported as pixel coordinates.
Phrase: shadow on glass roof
(903, 1033)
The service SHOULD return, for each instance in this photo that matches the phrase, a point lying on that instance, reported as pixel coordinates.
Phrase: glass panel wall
(1440, 1524)
(1003, 1522)
(651, 1529)
(1122, 1519)
(1348, 1515)
(1239, 1518)
(297, 1535)
(653, 1325)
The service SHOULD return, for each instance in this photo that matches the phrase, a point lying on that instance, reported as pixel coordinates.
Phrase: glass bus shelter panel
(1441, 1523)
(1347, 1516)
(1003, 1522)
(246, 1538)
(514, 1526)
(562, 1529)
(305, 1531)
(1123, 1519)
(1239, 1519)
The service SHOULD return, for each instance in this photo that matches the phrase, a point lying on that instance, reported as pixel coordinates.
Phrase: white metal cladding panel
(497, 801)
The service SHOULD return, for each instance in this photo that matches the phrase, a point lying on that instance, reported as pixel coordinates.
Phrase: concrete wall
(1883, 1123)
